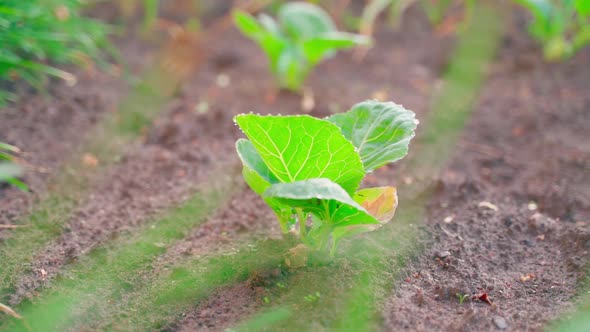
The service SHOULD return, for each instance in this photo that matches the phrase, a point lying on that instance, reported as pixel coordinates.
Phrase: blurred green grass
(38, 35)
(578, 320)
(9, 170)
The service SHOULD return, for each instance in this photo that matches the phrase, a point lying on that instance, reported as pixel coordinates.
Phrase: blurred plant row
(304, 34)
(37, 36)
(562, 26)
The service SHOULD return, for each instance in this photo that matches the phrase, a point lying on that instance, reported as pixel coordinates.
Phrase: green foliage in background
(9, 171)
(302, 37)
(307, 167)
(36, 35)
(562, 26)
(435, 10)
(376, 7)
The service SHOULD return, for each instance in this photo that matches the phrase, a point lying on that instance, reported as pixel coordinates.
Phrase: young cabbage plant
(302, 36)
(309, 170)
(9, 171)
(562, 26)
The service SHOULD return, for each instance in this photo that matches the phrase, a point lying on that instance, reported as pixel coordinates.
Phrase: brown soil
(49, 128)
(223, 310)
(522, 149)
(159, 172)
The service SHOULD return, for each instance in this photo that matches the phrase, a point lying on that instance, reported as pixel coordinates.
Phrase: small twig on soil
(11, 226)
(482, 148)
(7, 310)
(450, 234)
(30, 167)
(487, 150)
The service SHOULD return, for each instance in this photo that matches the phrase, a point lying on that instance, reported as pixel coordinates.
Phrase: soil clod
(500, 322)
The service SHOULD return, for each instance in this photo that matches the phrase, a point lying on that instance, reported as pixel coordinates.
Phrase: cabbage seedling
(562, 26)
(309, 170)
(302, 36)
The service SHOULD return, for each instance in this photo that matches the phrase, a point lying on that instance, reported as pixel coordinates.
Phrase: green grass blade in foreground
(108, 143)
(163, 299)
(579, 319)
(350, 301)
(453, 104)
(347, 286)
(264, 319)
(107, 272)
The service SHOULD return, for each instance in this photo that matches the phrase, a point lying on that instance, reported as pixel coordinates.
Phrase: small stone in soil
(500, 322)
(443, 254)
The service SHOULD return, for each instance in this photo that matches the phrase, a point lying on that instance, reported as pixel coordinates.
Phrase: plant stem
(302, 218)
(151, 14)
(333, 248)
